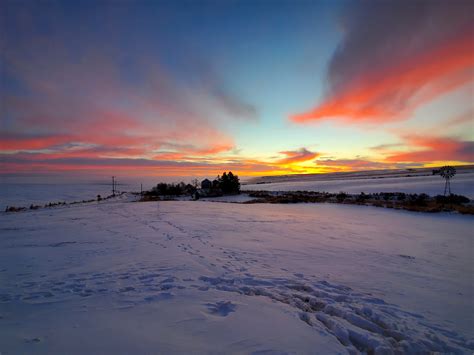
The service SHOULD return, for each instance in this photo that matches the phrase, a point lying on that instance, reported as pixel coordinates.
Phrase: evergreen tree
(229, 183)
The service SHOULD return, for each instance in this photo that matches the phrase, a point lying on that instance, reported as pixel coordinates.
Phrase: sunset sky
(192, 88)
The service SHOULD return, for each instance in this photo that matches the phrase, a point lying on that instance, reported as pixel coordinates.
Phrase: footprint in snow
(221, 308)
(127, 289)
(159, 297)
(409, 257)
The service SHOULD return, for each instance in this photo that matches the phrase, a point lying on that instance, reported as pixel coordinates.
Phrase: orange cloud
(85, 106)
(434, 149)
(296, 156)
(10, 142)
(187, 160)
(353, 164)
(40, 164)
(393, 93)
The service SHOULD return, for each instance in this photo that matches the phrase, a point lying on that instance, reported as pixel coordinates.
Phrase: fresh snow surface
(206, 277)
(461, 184)
(23, 194)
(241, 198)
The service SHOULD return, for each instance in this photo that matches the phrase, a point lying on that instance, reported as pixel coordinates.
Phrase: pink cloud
(434, 149)
(84, 100)
(394, 93)
(9, 142)
(395, 56)
(297, 156)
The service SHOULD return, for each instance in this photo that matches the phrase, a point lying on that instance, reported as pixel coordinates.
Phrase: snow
(461, 184)
(206, 277)
(241, 198)
(23, 194)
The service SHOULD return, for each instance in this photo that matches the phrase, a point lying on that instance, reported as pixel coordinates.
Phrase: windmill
(447, 172)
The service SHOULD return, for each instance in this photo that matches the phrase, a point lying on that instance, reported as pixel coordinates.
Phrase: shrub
(452, 199)
(386, 196)
(420, 200)
(15, 209)
(362, 197)
(401, 196)
(164, 189)
(423, 197)
(259, 194)
(341, 196)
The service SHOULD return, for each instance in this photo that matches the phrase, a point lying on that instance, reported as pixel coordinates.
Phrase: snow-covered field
(207, 277)
(461, 184)
(23, 194)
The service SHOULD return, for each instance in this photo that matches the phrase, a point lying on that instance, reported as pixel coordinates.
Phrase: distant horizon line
(127, 180)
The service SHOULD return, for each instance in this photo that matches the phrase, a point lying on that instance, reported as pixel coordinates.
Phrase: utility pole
(141, 189)
(113, 185)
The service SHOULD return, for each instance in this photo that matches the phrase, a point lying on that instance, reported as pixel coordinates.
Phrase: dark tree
(229, 183)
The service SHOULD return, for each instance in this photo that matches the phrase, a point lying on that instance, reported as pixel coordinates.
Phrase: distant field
(420, 181)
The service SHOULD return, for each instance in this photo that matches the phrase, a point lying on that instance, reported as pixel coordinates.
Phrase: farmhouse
(206, 184)
(208, 189)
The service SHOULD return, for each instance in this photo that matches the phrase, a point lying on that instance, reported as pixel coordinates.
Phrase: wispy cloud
(296, 156)
(184, 161)
(359, 164)
(425, 149)
(36, 163)
(395, 56)
(386, 147)
(63, 88)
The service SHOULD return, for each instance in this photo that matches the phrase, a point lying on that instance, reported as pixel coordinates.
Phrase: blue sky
(261, 87)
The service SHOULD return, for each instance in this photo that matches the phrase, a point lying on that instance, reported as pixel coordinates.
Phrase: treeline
(164, 189)
(225, 184)
(229, 183)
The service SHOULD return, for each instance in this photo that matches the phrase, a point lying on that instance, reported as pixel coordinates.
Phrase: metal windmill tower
(447, 172)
